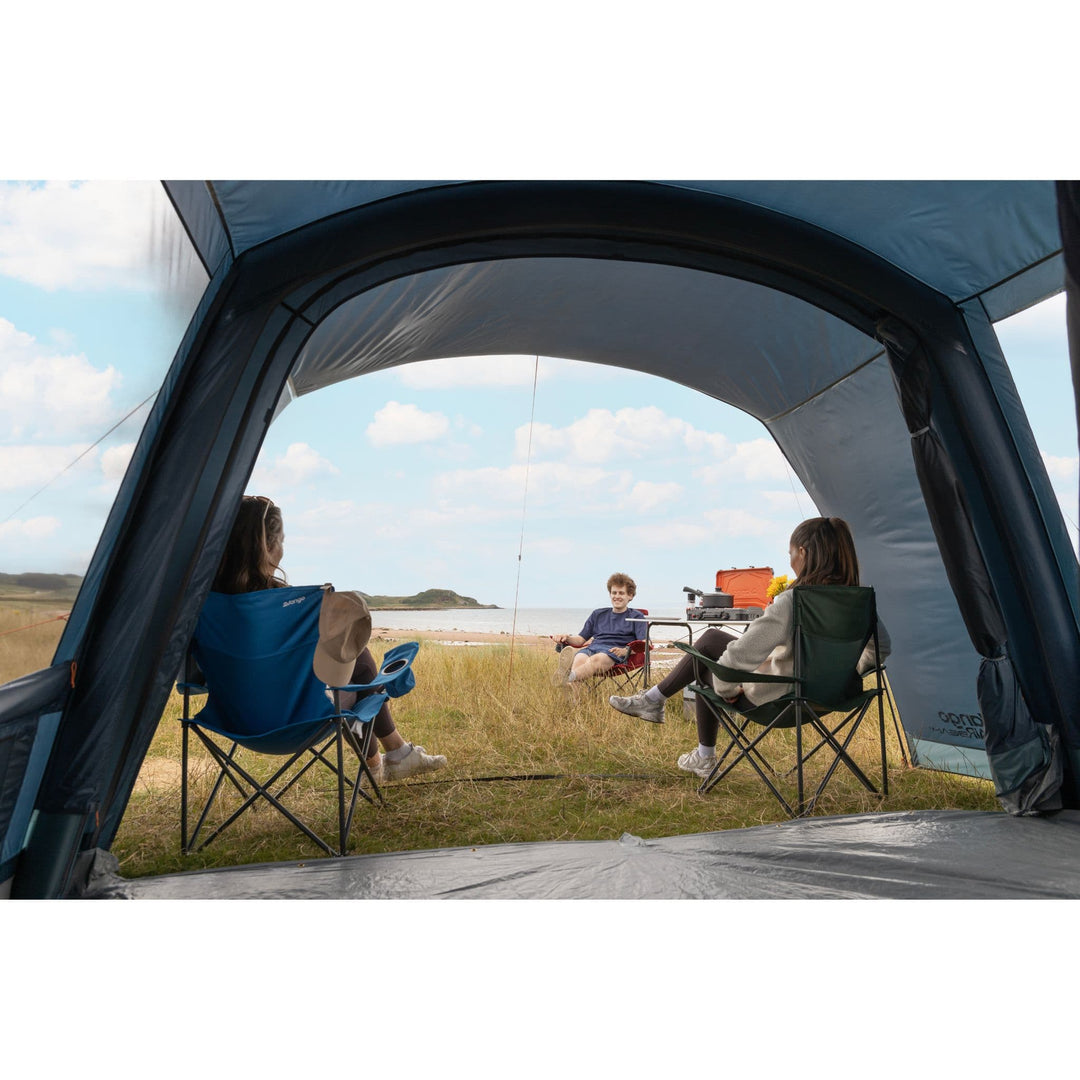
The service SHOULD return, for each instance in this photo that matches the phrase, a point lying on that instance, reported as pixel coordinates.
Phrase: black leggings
(712, 643)
(364, 671)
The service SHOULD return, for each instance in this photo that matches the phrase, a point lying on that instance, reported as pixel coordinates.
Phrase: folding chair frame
(337, 732)
(794, 710)
(627, 675)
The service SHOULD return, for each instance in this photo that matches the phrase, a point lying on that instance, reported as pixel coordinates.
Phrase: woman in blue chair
(822, 552)
(251, 563)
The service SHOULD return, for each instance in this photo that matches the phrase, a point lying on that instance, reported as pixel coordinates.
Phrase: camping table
(660, 620)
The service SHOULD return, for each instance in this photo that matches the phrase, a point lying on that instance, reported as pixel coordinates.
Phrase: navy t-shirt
(609, 628)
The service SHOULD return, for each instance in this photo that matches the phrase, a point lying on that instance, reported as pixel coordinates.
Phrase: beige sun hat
(344, 630)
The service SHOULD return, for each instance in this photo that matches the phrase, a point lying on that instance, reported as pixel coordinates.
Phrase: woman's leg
(399, 758)
(649, 704)
(712, 644)
(364, 670)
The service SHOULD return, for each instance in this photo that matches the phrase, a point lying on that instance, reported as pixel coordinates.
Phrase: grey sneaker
(417, 760)
(695, 763)
(639, 706)
(563, 665)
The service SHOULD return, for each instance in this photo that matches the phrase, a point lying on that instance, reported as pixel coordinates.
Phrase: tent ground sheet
(937, 854)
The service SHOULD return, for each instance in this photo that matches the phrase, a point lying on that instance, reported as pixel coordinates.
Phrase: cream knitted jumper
(767, 647)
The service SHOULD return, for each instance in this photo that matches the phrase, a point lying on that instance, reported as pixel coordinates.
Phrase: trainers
(638, 705)
(417, 760)
(377, 769)
(563, 664)
(695, 763)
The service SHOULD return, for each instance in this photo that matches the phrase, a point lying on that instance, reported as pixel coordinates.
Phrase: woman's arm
(752, 649)
(869, 660)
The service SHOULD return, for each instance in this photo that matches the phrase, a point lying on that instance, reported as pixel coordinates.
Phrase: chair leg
(231, 768)
(746, 749)
(183, 788)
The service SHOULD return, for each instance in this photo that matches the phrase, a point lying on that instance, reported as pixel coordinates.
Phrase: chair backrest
(832, 623)
(255, 651)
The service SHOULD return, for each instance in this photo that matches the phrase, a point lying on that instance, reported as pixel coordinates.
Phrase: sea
(531, 620)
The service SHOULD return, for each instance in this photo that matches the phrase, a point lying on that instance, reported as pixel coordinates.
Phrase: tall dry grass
(527, 762)
(30, 630)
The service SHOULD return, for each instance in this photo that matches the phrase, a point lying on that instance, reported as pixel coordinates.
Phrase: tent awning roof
(998, 240)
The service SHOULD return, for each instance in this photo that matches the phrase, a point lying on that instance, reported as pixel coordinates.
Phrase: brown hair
(247, 565)
(625, 580)
(830, 552)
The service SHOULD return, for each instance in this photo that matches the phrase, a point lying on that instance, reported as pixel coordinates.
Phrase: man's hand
(621, 650)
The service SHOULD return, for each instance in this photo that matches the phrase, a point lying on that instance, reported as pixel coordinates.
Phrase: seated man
(605, 637)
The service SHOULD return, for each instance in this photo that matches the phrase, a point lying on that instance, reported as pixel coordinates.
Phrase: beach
(458, 637)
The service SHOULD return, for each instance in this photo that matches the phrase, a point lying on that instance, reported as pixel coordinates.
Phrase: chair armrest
(734, 675)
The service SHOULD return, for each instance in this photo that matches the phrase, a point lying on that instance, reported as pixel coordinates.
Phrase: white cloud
(36, 528)
(551, 546)
(32, 466)
(298, 465)
(674, 536)
(461, 371)
(602, 435)
(648, 495)
(395, 424)
(1061, 468)
(1043, 324)
(549, 483)
(736, 522)
(755, 460)
(45, 392)
(93, 235)
(787, 505)
(115, 460)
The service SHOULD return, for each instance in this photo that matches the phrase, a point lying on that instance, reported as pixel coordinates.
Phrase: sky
(424, 476)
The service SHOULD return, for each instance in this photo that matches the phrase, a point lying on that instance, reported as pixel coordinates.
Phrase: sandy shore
(381, 633)
(468, 637)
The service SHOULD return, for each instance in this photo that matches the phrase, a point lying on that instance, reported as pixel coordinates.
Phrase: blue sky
(412, 478)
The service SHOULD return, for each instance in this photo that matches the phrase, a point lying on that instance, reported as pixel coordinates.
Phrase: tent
(854, 319)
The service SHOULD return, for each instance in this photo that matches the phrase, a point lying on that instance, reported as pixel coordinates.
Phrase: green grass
(613, 775)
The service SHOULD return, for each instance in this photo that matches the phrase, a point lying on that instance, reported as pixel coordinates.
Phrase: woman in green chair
(822, 552)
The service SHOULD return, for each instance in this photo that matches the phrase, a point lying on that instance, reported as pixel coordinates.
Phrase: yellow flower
(777, 586)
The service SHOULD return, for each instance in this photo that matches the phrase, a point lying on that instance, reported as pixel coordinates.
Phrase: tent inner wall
(228, 377)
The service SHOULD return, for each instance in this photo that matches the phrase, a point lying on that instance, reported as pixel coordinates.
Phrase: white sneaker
(639, 705)
(377, 769)
(695, 763)
(417, 760)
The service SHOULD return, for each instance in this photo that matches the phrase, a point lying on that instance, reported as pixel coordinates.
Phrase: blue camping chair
(252, 653)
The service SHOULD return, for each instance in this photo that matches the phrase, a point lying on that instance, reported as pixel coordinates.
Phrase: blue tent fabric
(781, 298)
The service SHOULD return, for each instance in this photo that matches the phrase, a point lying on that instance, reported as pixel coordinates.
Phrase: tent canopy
(854, 319)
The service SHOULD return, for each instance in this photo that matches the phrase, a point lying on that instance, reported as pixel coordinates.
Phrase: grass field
(610, 774)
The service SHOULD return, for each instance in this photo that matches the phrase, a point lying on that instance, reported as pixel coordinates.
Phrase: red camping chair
(629, 673)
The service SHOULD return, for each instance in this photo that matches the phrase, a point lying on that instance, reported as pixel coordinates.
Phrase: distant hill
(59, 587)
(428, 600)
(32, 586)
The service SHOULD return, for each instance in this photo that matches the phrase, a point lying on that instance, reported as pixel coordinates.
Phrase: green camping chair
(832, 625)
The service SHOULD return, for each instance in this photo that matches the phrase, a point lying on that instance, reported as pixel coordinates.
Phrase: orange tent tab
(747, 586)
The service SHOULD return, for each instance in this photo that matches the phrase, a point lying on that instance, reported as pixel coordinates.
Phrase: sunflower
(777, 586)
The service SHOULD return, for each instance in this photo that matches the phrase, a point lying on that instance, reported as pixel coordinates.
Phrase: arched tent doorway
(853, 320)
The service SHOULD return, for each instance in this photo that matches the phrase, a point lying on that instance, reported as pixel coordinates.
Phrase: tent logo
(298, 600)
